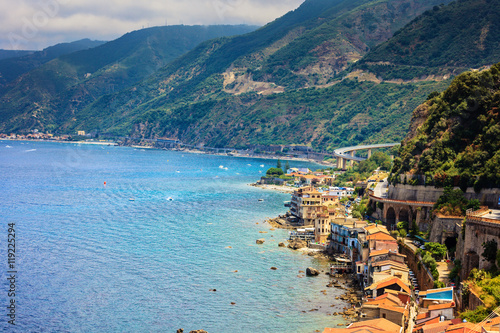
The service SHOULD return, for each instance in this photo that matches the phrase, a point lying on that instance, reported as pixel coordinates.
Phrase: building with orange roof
(438, 327)
(380, 325)
(310, 179)
(380, 269)
(402, 295)
(465, 328)
(374, 228)
(445, 309)
(386, 306)
(392, 283)
(426, 321)
(491, 325)
(375, 256)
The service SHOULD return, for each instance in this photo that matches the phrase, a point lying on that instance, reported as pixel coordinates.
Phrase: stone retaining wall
(424, 278)
(488, 197)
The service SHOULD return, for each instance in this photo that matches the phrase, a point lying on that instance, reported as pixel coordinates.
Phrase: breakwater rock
(297, 244)
(311, 271)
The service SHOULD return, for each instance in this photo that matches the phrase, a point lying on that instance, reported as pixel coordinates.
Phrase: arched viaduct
(394, 211)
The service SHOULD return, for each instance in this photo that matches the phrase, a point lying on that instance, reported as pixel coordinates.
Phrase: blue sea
(117, 239)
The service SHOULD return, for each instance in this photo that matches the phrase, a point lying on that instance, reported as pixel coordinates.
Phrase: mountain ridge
(59, 87)
(249, 89)
(13, 67)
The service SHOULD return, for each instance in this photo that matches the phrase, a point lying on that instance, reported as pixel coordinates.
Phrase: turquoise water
(122, 257)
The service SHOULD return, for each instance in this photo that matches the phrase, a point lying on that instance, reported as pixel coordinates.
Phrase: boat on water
(261, 199)
(131, 199)
(170, 199)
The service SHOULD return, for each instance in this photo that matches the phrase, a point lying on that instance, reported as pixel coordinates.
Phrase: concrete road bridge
(349, 153)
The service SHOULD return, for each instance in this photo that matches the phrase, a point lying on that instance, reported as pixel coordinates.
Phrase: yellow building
(306, 204)
(312, 208)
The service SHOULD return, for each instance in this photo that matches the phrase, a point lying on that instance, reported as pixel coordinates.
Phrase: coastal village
(396, 288)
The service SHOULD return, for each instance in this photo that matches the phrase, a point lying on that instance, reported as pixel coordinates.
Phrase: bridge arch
(404, 215)
(390, 217)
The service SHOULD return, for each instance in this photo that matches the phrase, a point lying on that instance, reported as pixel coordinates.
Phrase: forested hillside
(444, 41)
(253, 89)
(454, 135)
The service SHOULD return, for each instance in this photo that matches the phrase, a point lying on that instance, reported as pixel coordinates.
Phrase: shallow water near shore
(123, 257)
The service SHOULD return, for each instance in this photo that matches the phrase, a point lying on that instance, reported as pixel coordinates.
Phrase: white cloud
(36, 24)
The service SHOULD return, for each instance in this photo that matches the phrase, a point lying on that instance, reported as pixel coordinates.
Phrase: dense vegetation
(453, 203)
(364, 169)
(457, 142)
(444, 40)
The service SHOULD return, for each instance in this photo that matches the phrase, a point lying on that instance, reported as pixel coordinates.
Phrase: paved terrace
(484, 215)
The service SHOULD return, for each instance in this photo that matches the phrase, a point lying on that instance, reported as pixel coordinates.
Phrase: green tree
(490, 250)
(356, 214)
(438, 251)
(274, 172)
(278, 165)
(287, 166)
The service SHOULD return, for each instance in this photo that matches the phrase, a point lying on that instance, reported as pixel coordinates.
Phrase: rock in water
(281, 244)
(260, 241)
(311, 271)
(297, 244)
(199, 331)
(180, 330)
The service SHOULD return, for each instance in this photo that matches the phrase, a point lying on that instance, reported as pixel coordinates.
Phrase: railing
(481, 211)
(340, 267)
(407, 202)
(482, 219)
(476, 216)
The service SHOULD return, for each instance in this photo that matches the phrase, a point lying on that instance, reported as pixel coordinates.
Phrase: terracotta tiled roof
(441, 306)
(393, 308)
(385, 299)
(390, 262)
(464, 327)
(378, 253)
(494, 321)
(380, 325)
(380, 235)
(309, 177)
(388, 282)
(423, 315)
(372, 229)
(437, 327)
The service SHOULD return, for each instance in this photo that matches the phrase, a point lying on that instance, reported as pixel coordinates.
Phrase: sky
(36, 24)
